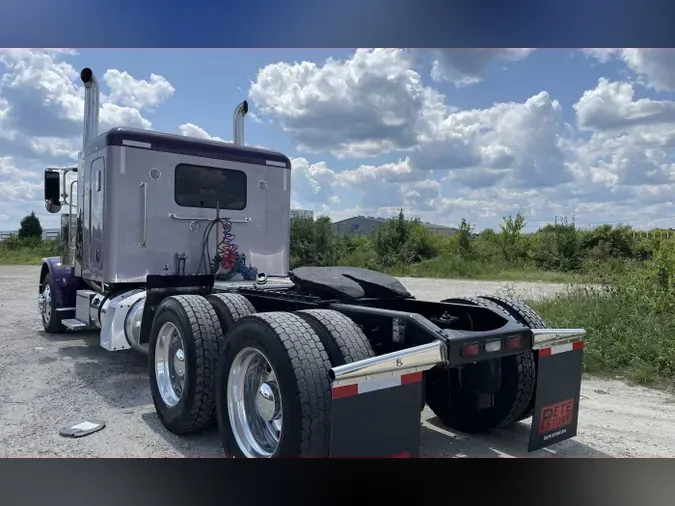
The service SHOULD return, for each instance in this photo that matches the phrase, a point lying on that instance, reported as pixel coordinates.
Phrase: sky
(443, 134)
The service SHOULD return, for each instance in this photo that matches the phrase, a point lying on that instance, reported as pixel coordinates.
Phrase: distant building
(367, 224)
(302, 213)
(47, 233)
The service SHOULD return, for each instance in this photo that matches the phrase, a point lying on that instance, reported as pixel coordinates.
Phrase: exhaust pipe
(91, 106)
(239, 113)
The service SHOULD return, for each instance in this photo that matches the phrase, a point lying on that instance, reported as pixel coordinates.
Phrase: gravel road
(49, 381)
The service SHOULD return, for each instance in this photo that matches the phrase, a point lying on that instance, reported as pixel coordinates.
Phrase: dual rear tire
(261, 376)
(455, 404)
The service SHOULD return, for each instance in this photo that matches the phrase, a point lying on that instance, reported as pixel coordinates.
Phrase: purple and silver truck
(178, 248)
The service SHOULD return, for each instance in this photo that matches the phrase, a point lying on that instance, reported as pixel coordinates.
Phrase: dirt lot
(49, 381)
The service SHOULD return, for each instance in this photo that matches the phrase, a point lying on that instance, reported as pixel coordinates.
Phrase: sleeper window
(205, 187)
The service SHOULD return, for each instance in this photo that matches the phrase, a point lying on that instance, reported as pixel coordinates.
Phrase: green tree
(607, 241)
(512, 245)
(402, 241)
(30, 226)
(557, 248)
(313, 242)
(464, 236)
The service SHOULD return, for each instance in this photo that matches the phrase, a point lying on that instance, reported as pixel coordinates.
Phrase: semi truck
(179, 247)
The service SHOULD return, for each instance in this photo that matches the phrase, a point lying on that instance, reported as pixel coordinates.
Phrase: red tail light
(514, 342)
(470, 350)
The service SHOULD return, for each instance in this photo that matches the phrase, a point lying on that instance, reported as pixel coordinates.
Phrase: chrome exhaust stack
(238, 123)
(92, 100)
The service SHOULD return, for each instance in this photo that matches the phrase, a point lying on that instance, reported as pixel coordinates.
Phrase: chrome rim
(45, 304)
(254, 404)
(170, 364)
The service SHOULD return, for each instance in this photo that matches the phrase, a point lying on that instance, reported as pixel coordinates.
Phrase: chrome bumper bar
(426, 356)
(543, 338)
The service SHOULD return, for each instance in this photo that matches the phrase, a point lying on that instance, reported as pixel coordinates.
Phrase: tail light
(470, 349)
(514, 342)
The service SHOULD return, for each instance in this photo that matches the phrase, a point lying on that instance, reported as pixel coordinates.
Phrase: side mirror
(52, 191)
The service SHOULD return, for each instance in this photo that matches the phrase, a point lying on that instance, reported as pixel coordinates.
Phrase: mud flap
(377, 417)
(556, 407)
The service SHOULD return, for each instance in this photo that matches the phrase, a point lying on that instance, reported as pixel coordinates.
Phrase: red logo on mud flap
(555, 416)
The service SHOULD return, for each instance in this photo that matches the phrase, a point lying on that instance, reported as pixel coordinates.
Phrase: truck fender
(66, 284)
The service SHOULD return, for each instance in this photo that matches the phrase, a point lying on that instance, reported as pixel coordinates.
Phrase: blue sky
(444, 134)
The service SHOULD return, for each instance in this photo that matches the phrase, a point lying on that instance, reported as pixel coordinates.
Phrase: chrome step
(75, 324)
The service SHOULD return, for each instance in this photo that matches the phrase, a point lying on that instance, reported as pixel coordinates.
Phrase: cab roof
(179, 144)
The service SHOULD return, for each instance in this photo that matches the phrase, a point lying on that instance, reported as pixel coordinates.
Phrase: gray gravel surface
(48, 381)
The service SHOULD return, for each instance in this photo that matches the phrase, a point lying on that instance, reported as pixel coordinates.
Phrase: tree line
(404, 246)
(401, 242)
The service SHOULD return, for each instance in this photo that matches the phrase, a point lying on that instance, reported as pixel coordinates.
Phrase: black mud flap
(377, 417)
(556, 407)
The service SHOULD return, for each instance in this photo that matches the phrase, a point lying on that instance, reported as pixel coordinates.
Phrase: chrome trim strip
(543, 338)
(193, 218)
(419, 358)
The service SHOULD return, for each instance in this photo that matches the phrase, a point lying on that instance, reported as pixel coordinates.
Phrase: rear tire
(295, 383)
(344, 341)
(51, 318)
(230, 307)
(527, 316)
(191, 407)
(455, 405)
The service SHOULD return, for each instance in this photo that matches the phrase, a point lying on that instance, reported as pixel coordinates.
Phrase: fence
(49, 233)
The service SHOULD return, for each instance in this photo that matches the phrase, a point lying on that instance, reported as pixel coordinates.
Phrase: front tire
(273, 395)
(183, 358)
(51, 318)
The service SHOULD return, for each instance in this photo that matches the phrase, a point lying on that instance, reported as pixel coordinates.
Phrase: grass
(630, 326)
(14, 251)
(458, 267)
(21, 257)
(439, 267)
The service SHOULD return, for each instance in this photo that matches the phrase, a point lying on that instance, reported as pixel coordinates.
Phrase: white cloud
(20, 188)
(612, 105)
(20, 192)
(466, 66)
(41, 113)
(523, 137)
(374, 103)
(371, 103)
(654, 67)
(479, 163)
(399, 141)
(192, 130)
(632, 141)
(42, 100)
(312, 183)
(9, 171)
(139, 94)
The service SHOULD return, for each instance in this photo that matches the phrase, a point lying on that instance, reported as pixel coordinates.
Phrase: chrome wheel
(169, 364)
(45, 305)
(254, 404)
